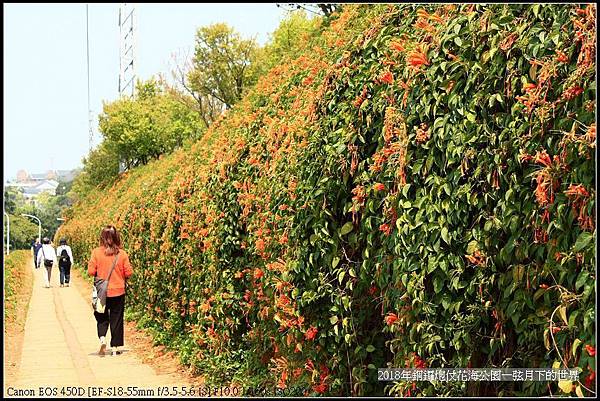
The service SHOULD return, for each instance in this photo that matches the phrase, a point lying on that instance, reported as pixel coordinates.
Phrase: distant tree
(207, 106)
(13, 199)
(325, 9)
(48, 208)
(64, 187)
(290, 38)
(147, 126)
(100, 167)
(22, 232)
(223, 65)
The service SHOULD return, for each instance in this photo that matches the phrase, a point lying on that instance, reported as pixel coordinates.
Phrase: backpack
(64, 258)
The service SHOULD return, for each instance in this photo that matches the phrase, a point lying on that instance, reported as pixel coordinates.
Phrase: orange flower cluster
(422, 133)
(422, 13)
(540, 236)
(572, 92)
(360, 195)
(507, 43)
(543, 158)
(390, 319)
(531, 96)
(585, 34)
(561, 57)
(579, 196)
(386, 77)
(311, 333)
(590, 135)
(424, 25)
(378, 187)
(385, 228)
(397, 45)
(418, 57)
(361, 98)
(393, 124)
(478, 258)
(544, 193)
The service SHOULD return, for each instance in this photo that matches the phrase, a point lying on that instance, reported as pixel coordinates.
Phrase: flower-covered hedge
(14, 266)
(416, 190)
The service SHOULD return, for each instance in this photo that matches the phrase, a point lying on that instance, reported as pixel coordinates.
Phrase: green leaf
(370, 348)
(581, 279)
(335, 262)
(547, 339)
(562, 311)
(582, 241)
(346, 228)
(458, 41)
(445, 235)
(437, 284)
(574, 347)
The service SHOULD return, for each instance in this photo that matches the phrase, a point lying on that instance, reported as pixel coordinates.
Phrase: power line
(87, 35)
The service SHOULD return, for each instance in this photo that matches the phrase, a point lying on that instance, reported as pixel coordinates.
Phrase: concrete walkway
(60, 346)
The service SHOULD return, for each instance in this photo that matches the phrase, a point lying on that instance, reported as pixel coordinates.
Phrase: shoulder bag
(47, 262)
(100, 288)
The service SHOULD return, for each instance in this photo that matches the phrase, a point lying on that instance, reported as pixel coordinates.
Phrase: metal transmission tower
(127, 62)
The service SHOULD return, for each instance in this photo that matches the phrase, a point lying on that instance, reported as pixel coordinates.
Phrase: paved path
(60, 345)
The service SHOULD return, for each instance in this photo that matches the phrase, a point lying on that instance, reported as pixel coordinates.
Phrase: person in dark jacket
(35, 248)
(65, 260)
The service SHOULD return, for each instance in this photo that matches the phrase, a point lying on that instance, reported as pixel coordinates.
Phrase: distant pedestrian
(65, 260)
(47, 257)
(35, 248)
(103, 258)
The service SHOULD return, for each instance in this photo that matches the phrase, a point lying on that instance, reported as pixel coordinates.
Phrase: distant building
(34, 184)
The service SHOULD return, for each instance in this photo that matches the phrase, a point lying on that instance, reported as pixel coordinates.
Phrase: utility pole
(127, 62)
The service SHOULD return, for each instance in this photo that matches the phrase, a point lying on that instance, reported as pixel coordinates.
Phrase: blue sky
(45, 80)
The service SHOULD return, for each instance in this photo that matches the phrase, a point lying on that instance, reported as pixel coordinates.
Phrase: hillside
(416, 190)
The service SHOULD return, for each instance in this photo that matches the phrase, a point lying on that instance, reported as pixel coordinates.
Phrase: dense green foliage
(289, 40)
(415, 190)
(136, 130)
(48, 208)
(22, 232)
(224, 64)
(13, 199)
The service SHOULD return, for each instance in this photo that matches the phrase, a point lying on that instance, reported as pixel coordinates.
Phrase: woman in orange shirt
(100, 264)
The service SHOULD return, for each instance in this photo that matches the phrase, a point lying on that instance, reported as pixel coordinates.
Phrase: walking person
(65, 260)
(46, 256)
(35, 248)
(103, 258)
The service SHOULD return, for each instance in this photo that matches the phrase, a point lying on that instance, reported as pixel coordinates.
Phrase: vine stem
(558, 351)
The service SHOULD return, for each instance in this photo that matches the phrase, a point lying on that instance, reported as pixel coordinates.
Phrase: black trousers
(65, 273)
(113, 316)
